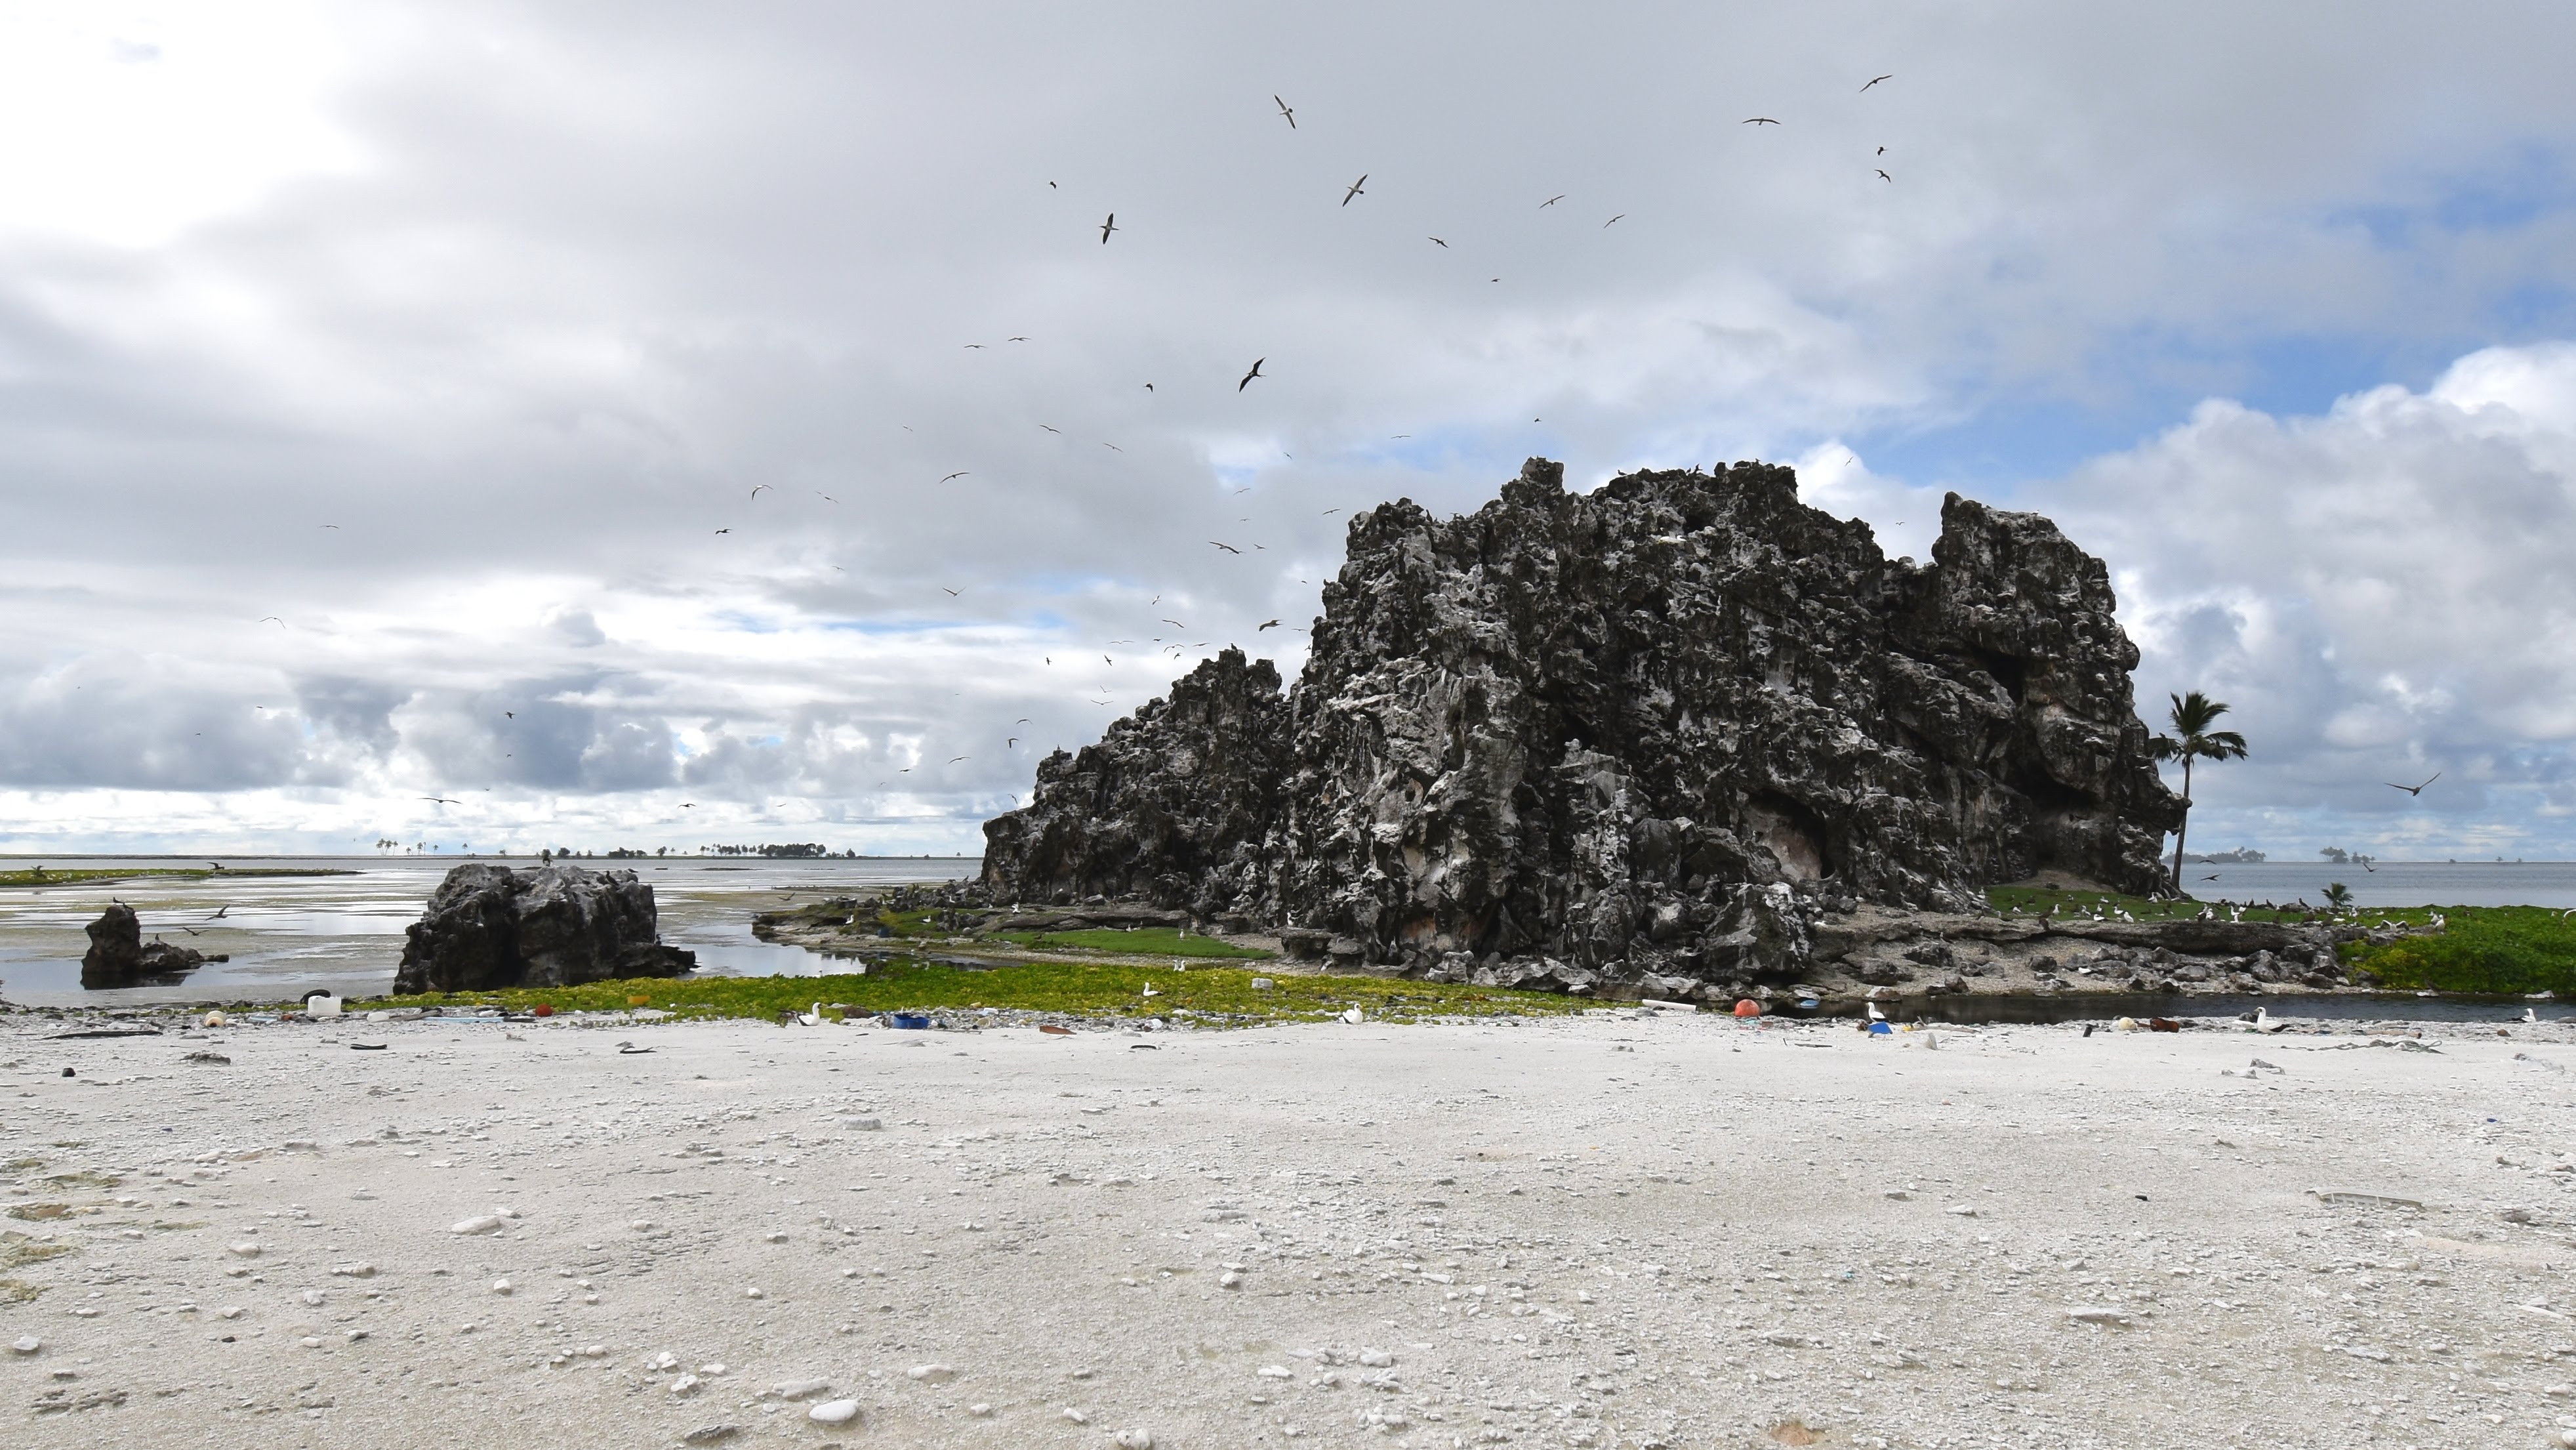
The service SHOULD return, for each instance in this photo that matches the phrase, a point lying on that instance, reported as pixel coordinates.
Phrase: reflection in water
(289, 934)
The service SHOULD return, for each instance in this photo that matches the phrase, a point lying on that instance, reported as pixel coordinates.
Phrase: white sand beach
(1629, 1229)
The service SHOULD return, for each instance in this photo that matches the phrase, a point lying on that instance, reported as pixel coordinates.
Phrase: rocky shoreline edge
(1793, 948)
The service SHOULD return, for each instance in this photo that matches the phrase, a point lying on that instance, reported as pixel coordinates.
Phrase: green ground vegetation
(2033, 900)
(2496, 949)
(1155, 941)
(1223, 996)
(57, 876)
(2499, 950)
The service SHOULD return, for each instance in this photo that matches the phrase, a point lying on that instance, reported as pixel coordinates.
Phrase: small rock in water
(710, 1434)
(980, 1410)
(481, 1223)
(753, 1294)
(1963, 1210)
(799, 1389)
(245, 1250)
(500, 1286)
(1377, 1359)
(932, 1374)
(1229, 1280)
(1077, 1416)
(25, 1344)
(834, 1412)
(1138, 1439)
(355, 1271)
(686, 1384)
(777, 1238)
(861, 1125)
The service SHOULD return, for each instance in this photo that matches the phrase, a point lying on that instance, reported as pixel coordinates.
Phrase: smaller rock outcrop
(544, 926)
(118, 956)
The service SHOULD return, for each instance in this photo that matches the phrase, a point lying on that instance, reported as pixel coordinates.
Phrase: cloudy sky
(552, 409)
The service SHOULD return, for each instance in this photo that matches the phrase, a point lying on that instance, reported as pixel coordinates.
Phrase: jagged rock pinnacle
(1635, 732)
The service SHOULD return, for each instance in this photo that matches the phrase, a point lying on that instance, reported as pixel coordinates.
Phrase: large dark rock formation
(118, 956)
(1641, 730)
(543, 926)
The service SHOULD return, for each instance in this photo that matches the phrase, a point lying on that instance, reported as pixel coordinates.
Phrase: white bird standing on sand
(2531, 1015)
(813, 1018)
(1353, 1017)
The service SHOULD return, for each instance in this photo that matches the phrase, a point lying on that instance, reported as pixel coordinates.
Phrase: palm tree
(2192, 740)
(2338, 896)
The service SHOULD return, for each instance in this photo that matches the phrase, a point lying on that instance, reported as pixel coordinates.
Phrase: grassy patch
(2033, 900)
(2498, 949)
(53, 876)
(1072, 988)
(1149, 941)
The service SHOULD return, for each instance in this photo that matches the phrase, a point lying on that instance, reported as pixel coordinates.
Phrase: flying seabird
(1273, 624)
(951, 593)
(1248, 377)
(756, 488)
(1551, 201)
(952, 760)
(724, 531)
(1891, 75)
(1107, 227)
(1439, 243)
(1287, 111)
(2412, 789)
(961, 473)
(1229, 548)
(1605, 226)
(1355, 190)
(1883, 176)
(437, 800)
(1760, 121)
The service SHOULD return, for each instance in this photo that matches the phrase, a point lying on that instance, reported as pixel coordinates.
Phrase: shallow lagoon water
(290, 934)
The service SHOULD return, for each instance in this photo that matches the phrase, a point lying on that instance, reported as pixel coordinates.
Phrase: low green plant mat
(1149, 941)
(2035, 900)
(2503, 950)
(1223, 995)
